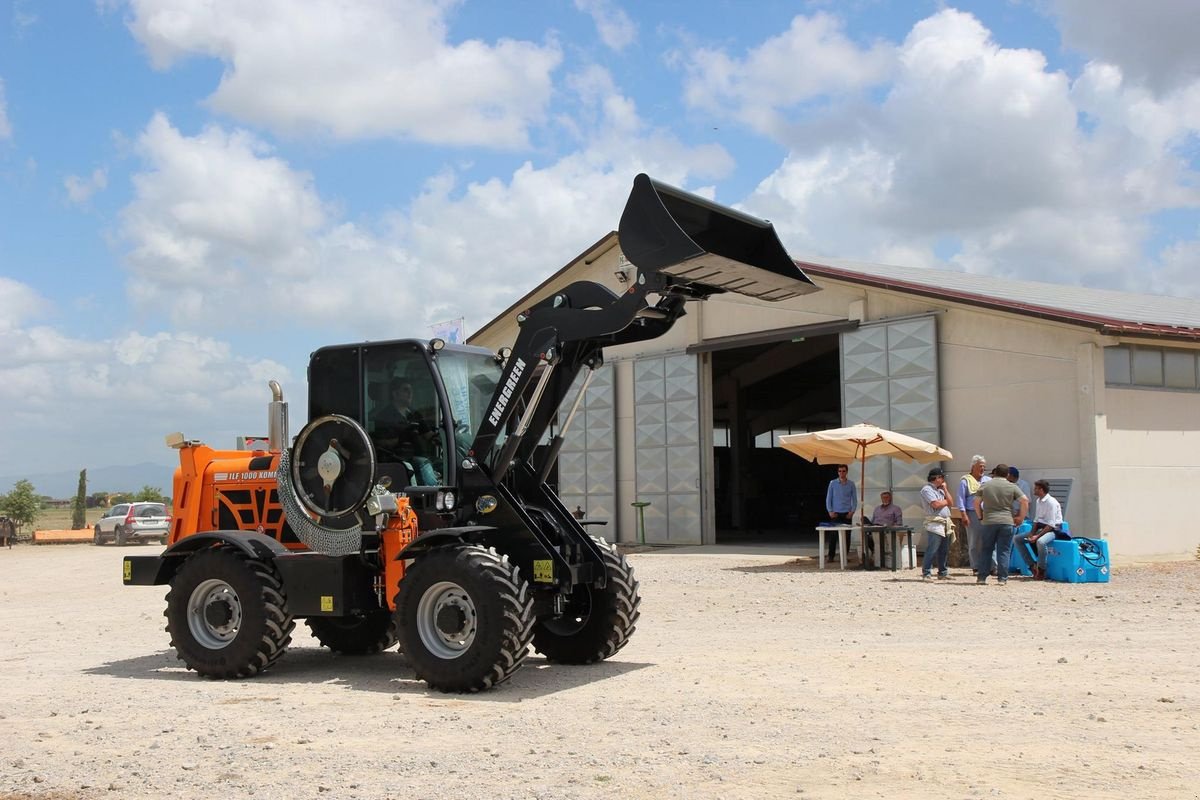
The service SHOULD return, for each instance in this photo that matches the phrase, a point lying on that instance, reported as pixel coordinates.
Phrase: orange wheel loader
(413, 506)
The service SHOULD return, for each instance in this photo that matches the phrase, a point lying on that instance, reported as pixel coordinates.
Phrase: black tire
(121, 536)
(97, 537)
(597, 622)
(166, 537)
(465, 617)
(364, 635)
(227, 614)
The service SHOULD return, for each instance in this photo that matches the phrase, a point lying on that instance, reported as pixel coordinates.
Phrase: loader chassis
(413, 506)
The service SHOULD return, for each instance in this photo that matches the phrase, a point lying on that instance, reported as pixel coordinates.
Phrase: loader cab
(420, 407)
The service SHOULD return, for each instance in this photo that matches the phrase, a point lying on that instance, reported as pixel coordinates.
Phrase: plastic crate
(1078, 561)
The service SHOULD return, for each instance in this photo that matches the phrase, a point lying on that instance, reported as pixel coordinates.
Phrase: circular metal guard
(333, 466)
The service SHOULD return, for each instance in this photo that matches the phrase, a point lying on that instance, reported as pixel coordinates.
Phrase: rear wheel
(363, 635)
(465, 616)
(227, 614)
(97, 538)
(122, 536)
(596, 622)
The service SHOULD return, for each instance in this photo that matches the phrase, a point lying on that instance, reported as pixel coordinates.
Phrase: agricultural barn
(1095, 390)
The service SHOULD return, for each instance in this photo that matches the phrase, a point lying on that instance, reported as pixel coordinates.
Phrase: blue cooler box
(1077, 561)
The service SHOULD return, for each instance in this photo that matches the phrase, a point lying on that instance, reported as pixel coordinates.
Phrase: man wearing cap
(937, 505)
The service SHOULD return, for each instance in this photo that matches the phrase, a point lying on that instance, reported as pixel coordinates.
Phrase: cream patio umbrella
(858, 443)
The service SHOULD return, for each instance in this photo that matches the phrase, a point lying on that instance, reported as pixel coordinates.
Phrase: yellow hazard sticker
(543, 571)
(327, 602)
(128, 568)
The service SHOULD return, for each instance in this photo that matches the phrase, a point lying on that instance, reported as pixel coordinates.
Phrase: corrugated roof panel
(1124, 307)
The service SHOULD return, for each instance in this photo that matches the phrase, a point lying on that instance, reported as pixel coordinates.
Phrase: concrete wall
(1149, 440)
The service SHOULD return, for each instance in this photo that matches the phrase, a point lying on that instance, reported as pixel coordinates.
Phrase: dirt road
(748, 677)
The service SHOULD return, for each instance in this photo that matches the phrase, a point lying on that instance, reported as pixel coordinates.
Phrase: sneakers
(926, 577)
(944, 577)
(1002, 581)
(980, 581)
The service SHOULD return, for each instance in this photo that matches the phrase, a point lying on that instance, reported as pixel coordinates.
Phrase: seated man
(886, 515)
(403, 435)
(1047, 523)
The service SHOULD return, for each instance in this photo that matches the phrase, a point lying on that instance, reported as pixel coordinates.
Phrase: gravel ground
(750, 676)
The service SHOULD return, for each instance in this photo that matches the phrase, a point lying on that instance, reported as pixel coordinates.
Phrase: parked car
(127, 521)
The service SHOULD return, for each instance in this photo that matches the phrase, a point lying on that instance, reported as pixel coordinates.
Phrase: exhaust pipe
(705, 247)
(277, 419)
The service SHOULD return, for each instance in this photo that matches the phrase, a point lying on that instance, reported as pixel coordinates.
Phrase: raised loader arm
(685, 247)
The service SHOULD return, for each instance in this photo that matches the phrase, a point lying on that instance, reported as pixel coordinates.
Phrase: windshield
(470, 380)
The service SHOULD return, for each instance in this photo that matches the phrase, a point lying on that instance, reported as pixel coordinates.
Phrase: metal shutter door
(890, 379)
(587, 463)
(667, 427)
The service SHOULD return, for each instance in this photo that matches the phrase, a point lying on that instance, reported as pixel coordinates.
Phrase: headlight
(444, 501)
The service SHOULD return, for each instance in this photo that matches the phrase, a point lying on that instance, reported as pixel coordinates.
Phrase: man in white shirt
(1047, 520)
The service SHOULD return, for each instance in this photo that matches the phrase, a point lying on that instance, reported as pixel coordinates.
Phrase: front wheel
(596, 622)
(227, 615)
(465, 617)
(364, 635)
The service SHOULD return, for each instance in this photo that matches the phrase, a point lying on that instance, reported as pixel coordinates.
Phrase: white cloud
(1154, 44)
(18, 302)
(813, 59)
(373, 68)
(122, 393)
(80, 190)
(220, 228)
(616, 29)
(5, 125)
(979, 150)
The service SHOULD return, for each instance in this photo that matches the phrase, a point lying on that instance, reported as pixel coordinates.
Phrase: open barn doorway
(760, 391)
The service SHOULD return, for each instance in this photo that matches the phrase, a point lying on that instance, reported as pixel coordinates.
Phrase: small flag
(452, 331)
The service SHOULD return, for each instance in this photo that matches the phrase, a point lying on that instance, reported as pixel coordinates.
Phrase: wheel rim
(214, 614)
(446, 620)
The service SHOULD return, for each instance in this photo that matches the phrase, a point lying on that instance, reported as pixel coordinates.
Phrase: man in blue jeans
(994, 507)
(937, 505)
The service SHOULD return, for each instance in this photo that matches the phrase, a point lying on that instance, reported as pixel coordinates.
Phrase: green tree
(79, 508)
(149, 494)
(21, 504)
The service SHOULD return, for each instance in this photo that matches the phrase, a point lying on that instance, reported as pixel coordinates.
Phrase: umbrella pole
(862, 504)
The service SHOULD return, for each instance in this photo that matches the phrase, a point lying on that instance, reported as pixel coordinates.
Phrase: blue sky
(194, 196)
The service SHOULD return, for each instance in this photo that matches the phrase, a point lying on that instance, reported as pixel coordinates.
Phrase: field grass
(56, 519)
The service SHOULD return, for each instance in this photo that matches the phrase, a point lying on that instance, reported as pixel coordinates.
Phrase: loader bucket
(706, 246)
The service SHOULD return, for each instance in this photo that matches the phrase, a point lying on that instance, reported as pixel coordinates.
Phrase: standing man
(841, 498)
(968, 488)
(1014, 475)
(937, 505)
(993, 507)
(1047, 520)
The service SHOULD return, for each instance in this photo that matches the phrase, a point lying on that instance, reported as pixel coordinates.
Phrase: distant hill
(62, 485)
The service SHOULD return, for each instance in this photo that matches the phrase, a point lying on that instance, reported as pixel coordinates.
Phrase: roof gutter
(1108, 326)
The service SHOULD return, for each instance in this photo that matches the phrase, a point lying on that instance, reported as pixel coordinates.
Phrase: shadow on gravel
(386, 673)
(804, 564)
